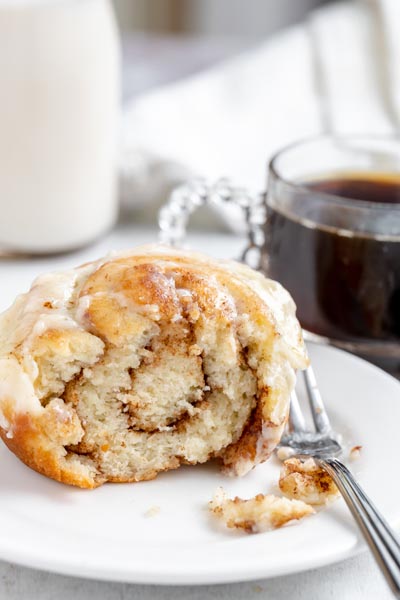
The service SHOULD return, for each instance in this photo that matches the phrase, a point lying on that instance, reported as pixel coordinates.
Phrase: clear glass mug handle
(187, 198)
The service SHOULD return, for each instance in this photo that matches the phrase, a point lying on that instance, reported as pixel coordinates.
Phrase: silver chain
(189, 197)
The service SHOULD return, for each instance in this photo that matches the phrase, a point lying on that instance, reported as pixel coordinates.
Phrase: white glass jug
(59, 104)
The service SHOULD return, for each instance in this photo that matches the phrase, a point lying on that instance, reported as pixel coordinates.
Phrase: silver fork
(324, 446)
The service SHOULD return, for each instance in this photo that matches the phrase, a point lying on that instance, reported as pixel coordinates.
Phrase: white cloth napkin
(337, 72)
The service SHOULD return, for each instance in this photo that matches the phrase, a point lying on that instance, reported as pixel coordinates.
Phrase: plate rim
(195, 578)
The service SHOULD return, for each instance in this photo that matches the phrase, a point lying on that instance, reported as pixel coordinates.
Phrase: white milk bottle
(59, 105)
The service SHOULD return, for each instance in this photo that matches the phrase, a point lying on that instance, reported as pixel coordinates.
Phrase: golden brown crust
(28, 442)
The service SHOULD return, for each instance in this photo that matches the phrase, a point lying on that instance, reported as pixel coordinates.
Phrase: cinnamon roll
(146, 360)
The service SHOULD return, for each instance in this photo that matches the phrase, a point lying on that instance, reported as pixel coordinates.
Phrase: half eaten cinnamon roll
(141, 362)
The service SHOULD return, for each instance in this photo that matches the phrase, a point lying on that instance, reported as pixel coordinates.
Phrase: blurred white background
(225, 17)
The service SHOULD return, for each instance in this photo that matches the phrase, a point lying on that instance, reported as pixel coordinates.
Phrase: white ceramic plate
(106, 534)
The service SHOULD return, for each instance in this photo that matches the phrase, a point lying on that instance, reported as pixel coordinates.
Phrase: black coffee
(345, 287)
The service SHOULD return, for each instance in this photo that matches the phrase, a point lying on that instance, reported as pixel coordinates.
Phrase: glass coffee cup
(328, 229)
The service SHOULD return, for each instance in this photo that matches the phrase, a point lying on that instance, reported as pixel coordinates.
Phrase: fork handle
(379, 536)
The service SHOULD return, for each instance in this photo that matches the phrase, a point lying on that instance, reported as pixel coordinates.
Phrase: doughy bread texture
(146, 360)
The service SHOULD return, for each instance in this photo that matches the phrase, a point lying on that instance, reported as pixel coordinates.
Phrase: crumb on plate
(258, 514)
(355, 452)
(152, 511)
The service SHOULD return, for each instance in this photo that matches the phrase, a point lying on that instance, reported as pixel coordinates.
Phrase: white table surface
(355, 579)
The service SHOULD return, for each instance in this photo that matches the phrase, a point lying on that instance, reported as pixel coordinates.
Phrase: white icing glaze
(4, 423)
(16, 385)
(82, 308)
(16, 389)
(46, 305)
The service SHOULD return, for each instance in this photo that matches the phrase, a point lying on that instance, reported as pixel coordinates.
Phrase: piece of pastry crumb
(153, 511)
(305, 480)
(263, 512)
(355, 453)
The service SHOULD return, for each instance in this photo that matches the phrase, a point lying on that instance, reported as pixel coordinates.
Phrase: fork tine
(320, 417)
(296, 418)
